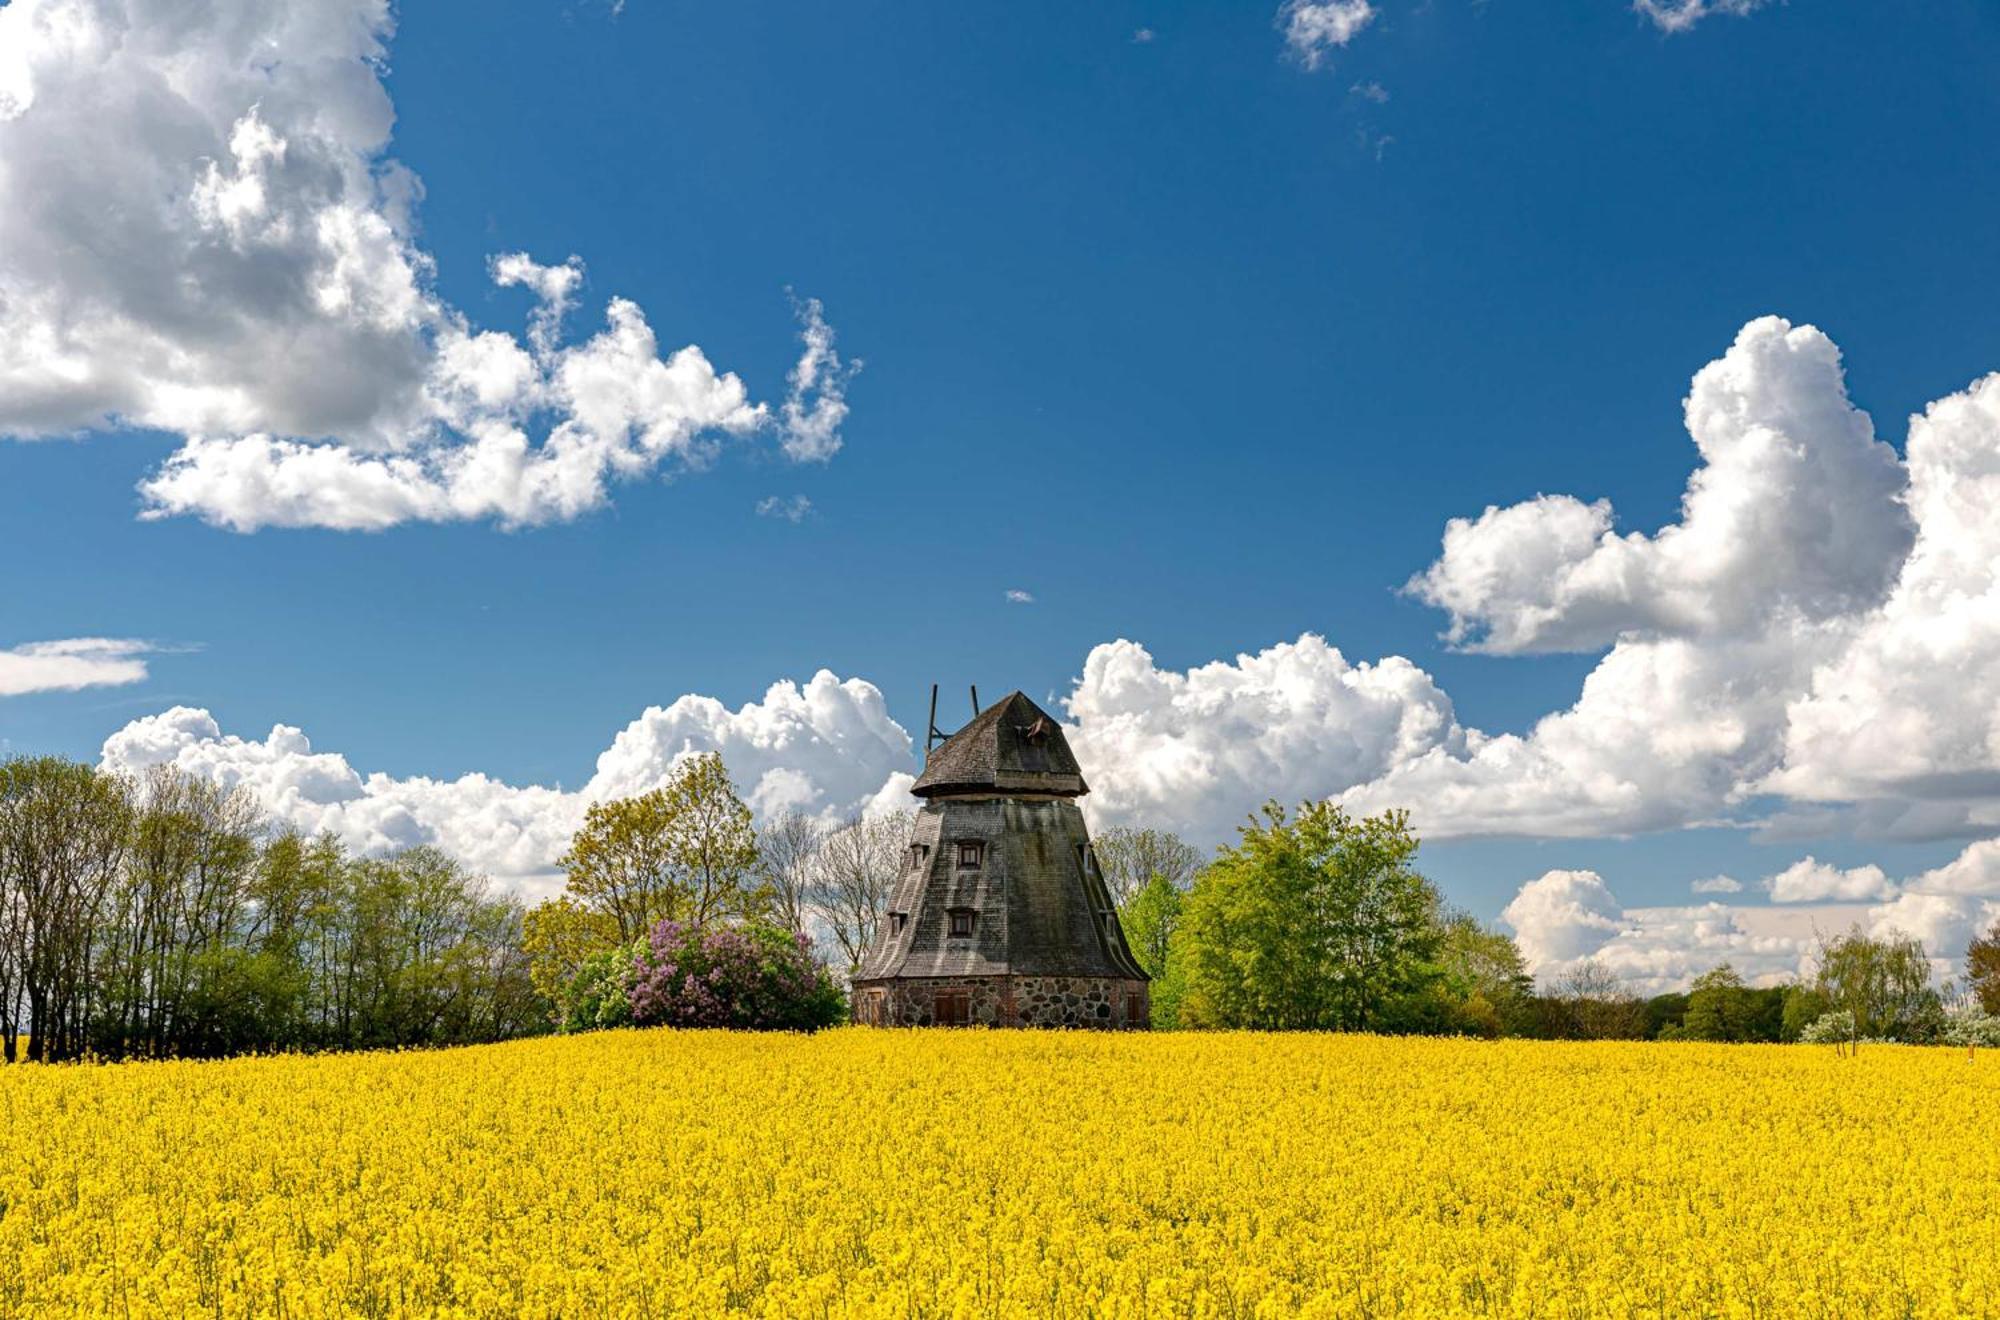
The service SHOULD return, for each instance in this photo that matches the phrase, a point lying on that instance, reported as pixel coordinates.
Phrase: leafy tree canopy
(686, 851)
(1316, 922)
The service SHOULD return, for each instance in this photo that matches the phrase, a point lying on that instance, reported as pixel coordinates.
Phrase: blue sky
(1199, 346)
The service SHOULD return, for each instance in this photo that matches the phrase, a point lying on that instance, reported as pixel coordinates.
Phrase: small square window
(952, 1008)
(897, 920)
(962, 920)
(971, 853)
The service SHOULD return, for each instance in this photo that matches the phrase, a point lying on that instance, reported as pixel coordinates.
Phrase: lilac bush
(749, 977)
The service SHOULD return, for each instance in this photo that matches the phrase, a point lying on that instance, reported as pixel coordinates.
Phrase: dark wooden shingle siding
(1041, 909)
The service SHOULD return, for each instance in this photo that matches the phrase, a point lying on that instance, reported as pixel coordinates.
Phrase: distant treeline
(166, 918)
(1321, 921)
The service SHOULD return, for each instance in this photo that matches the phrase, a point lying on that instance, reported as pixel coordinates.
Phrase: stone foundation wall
(1079, 1001)
(914, 1003)
(1095, 1002)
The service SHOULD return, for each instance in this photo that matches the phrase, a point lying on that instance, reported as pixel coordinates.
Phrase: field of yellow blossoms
(880, 1173)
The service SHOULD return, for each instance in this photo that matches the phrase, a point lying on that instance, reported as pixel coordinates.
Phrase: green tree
(1316, 923)
(712, 843)
(1485, 978)
(430, 956)
(560, 937)
(157, 920)
(1804, 1005)
(1719, 1007)
(1767, 1013)
(1151, 918)
(599, 992)
(1835, 1027)
(65, 830)
(1884, 985)
(620, 864)
(178, 947)
(1982, 968)
(685, 851)
(284, 887)
(1666, 1017)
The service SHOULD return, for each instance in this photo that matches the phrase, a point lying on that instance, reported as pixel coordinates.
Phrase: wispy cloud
(1717, 884)
(1144, 36)
(793, 509)
(816, 404)
(1680, 15)
(72, 664)
(1316, 28)
(1016, 596)
(1370, 91)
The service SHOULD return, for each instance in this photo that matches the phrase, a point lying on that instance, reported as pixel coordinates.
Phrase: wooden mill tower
(1001, 915)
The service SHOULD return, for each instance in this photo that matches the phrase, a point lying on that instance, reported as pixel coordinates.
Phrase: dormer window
(971, 852)
(919, 853)
(962, 921)
(898, 920)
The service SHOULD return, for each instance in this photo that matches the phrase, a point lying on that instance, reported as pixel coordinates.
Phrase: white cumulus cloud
(1819, 625)
(1945, 923)
(1563, 918)
(1197, 751)
(206, 235)
(1811, 881)
(1976, 872)
(827, 747)
(1794, 512)
(1906, 709)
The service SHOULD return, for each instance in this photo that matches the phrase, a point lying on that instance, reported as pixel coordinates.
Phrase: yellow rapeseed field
(879, 1173)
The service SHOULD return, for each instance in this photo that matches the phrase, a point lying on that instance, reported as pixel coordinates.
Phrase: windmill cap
(1013, 746)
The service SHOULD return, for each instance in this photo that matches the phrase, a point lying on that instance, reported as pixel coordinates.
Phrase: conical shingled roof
(1013, 746)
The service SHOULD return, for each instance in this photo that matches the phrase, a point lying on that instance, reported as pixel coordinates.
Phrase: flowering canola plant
(957, 1174)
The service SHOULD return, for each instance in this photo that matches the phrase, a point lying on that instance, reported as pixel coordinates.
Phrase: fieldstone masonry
(1009, 1001)
(1080, 1001)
